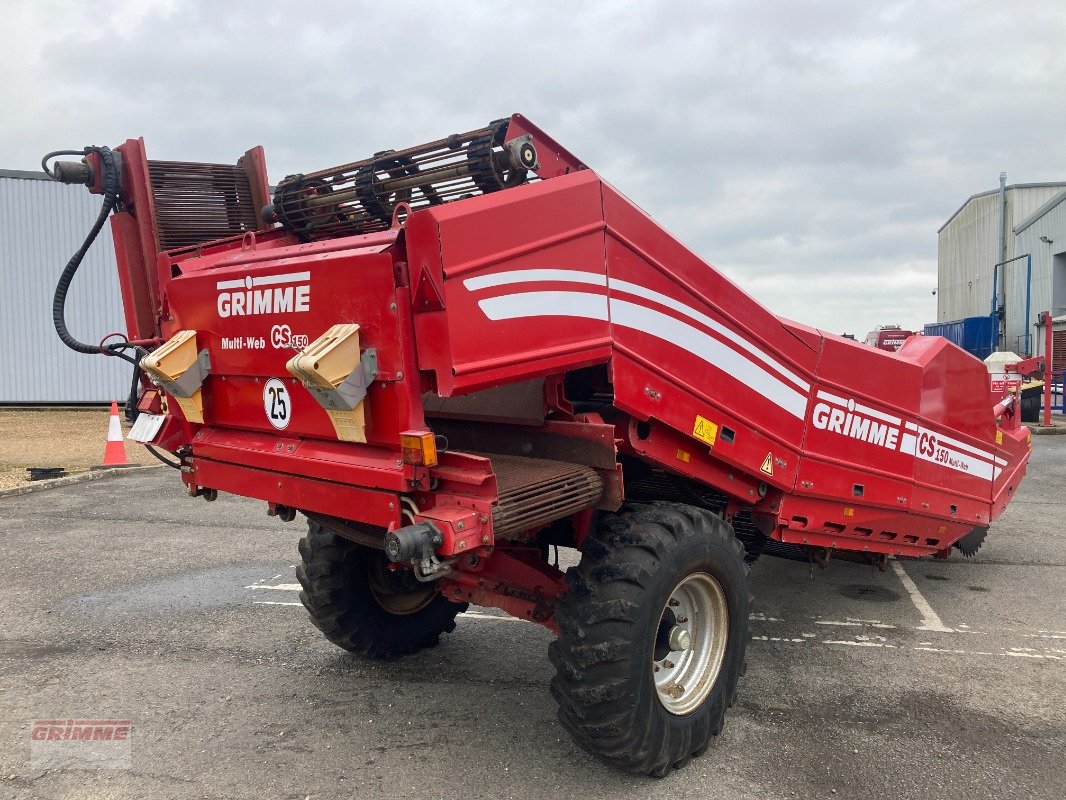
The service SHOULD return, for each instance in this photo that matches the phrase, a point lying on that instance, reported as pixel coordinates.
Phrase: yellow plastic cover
(169, 362)
(325, 364)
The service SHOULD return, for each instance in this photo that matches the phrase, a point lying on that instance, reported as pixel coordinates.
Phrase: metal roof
(25, 174)
(1050, 204)
(973, 197)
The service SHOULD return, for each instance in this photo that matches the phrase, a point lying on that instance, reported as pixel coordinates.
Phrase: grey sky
(809, 151)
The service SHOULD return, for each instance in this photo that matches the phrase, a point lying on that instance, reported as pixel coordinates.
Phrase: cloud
(808, 151)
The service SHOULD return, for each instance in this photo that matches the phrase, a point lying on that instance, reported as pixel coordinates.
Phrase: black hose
(131, 401)
(49, 156)
(161, 457)
(59, 300)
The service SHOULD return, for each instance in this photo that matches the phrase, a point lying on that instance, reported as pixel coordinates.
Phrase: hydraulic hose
(161, 457)
(59, 300)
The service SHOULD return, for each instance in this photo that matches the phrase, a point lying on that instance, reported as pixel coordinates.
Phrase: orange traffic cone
(115, 450)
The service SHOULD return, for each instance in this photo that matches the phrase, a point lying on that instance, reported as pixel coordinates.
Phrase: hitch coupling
(416, 545)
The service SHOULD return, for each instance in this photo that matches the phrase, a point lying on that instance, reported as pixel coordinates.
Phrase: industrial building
(41, 224)
(1003, 252)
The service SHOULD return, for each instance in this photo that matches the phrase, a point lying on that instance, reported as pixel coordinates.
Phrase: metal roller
(361, 197)
(536, 491)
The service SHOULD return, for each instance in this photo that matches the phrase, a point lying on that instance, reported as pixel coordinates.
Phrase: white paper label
(146, 428)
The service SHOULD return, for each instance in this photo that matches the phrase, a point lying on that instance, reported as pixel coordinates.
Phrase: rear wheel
(362, 605)
(652, 637)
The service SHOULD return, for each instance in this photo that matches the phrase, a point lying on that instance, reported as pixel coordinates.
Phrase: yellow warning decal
(682, 455)
(705, 430)
(768, 464)
(999, 437)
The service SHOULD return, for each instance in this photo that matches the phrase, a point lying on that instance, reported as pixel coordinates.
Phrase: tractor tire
(364, 607)
(652, 637)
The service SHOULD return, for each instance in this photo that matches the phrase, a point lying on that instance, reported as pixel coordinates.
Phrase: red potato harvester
(453, 358)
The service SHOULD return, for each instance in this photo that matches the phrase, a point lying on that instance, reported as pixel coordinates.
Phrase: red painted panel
(700, 352)
(341, 462)
(525, 287)
(295, 491)
(248, 349)
(695, 277)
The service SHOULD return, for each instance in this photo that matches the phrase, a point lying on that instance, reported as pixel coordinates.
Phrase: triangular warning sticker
(768, 464)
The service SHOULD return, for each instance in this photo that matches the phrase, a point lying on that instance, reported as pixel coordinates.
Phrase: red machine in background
(888, 337)
(455, 357)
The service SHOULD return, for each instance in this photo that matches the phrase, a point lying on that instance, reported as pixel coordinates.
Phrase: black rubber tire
(335, 576)
(607, 628)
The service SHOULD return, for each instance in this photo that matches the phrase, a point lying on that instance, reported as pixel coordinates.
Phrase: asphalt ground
(124, 599)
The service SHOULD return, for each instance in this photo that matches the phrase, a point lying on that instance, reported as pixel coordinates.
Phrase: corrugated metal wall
(968, 249)
(41, 224)
(965, 255)
(1049, 262)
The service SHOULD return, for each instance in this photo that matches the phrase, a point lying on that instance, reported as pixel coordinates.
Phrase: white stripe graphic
(955, 444)
(703, 319)
(271, 280)
(958, 461)
(866, 410)
(593, 278)
(655, 323)
(264, 280)
(714, 352)
(531, 275)
(545, 304)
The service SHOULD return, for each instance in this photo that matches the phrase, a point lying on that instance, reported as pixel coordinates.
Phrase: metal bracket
(191, 380)
(352, 390)
(522, 153)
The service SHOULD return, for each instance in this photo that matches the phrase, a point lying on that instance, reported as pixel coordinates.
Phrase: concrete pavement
(123, 598)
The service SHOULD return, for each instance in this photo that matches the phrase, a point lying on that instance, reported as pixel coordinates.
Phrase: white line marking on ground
(833, 622)
(497, 617)
(930, 620)
(274, 603)
(1032, 655)
(281, 587)
(876, 623)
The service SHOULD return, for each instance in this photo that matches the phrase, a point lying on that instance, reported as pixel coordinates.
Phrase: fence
(1058, 395)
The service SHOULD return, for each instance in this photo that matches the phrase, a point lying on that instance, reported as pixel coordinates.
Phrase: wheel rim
(690, 643)
(393, 594)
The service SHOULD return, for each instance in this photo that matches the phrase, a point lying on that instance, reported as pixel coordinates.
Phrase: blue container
(975, 335)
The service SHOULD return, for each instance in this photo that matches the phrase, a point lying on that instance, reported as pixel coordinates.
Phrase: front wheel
(652, 637)
(363, 606)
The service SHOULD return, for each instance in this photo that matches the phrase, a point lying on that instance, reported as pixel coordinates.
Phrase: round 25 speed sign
(277, 404)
